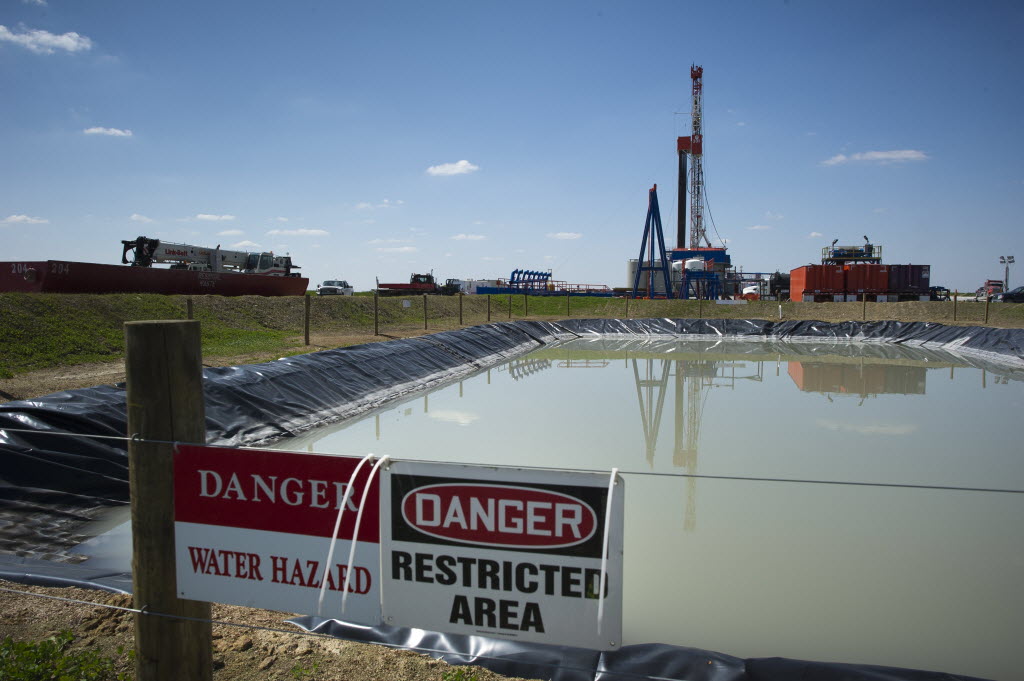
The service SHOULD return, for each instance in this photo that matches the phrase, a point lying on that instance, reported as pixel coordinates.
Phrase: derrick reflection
(692, 381)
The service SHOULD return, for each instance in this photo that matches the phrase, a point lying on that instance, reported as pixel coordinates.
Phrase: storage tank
(812, 280)
(632, 265)
(909, 279)
(695, 264)
(866, 278)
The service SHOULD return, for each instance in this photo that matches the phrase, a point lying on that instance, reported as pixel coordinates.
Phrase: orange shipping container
(867, 278)
(812, 280)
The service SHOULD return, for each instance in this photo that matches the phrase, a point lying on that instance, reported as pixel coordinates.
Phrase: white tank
(695, 264)
(632, 265)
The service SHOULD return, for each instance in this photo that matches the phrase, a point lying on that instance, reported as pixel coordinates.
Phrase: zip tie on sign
(334, 535)
(604, 549)
(355, 531)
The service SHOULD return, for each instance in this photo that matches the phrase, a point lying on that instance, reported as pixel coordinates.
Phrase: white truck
(334, 287)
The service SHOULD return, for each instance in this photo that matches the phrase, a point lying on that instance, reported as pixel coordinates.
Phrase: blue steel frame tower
(652, 233)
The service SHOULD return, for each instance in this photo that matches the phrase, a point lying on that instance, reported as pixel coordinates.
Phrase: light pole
(1006, 260)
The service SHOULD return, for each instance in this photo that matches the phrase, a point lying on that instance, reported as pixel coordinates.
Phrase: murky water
(924, 578)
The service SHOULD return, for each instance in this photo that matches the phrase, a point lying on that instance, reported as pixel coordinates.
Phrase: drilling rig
(692, 146)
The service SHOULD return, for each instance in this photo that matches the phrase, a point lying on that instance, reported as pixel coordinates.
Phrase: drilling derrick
(697, 236)
(692, 146)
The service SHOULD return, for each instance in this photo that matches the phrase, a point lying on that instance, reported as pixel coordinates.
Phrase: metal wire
(698, 476)
(313, 634)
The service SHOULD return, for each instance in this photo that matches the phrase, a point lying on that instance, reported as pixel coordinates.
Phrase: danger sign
(509, 553)
(254, 527)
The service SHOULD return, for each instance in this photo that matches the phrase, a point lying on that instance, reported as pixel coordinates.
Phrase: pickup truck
(334, 287)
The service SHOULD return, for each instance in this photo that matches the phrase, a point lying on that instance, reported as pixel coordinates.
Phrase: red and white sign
(254, 527)
(508, 553)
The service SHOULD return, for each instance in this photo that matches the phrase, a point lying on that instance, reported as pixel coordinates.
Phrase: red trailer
(816, 282)
(862, 278)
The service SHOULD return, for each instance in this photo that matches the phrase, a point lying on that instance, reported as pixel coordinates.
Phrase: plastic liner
(51, 484)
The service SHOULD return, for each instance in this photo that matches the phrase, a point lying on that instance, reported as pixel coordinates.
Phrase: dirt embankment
(239, 654)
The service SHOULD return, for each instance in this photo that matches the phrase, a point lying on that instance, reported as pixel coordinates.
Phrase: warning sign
(508, 553)
(254, 527)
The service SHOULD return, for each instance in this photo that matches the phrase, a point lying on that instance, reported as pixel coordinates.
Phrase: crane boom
(145, 252)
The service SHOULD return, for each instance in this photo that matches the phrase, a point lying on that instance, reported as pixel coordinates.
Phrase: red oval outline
(582, 503)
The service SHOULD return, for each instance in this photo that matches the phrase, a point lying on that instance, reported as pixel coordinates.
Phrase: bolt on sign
(254, 527)
(507, 553)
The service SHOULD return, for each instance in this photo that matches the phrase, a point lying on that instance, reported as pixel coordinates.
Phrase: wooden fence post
(188, 308)
(376, 315)
(424, 311)
(864, 307)
(460, 308)
(568, 297)
(988, 299)
(510, 306)
(305, 317)
(164, 389)
(488, 307)
(526, 306)
(627, 307)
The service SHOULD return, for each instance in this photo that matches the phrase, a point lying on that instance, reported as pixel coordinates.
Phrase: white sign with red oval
(508, 553)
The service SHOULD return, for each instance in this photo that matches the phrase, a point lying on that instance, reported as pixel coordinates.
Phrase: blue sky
(472, 138)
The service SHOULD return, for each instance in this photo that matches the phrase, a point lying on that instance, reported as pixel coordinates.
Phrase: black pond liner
(51, 484)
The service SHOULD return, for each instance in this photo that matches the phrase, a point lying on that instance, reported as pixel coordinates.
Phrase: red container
(909, 279)
(812, 280)
(61, 276)
(866, 278)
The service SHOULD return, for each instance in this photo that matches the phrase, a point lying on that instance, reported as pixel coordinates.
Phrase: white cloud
(771, 215)
(896, 429)
(459, 168)
(398, 249)
(388, 241)
(492, 258)
(246, 245)
(214, 218)
(741, 124)
(24, 220)
(814, 235)
(44, 42)
(563, 235)
(136, 217)
(109, 132)
(384, 203)
(462, 418)
(468, 237)
(281, 219)
(758, 228)
(41, 3)
(880, 157)
(299, 232)
(231, 232)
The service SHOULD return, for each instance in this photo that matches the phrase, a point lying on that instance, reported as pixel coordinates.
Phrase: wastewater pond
(834, 502)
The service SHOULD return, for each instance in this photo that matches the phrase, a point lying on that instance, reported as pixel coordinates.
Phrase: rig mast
(697, 236)
(693, 146)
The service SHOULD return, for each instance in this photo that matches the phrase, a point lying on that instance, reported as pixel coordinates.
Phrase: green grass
(50, 330)
(51, 660)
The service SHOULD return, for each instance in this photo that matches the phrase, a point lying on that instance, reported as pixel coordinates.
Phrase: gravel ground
(239, 654)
